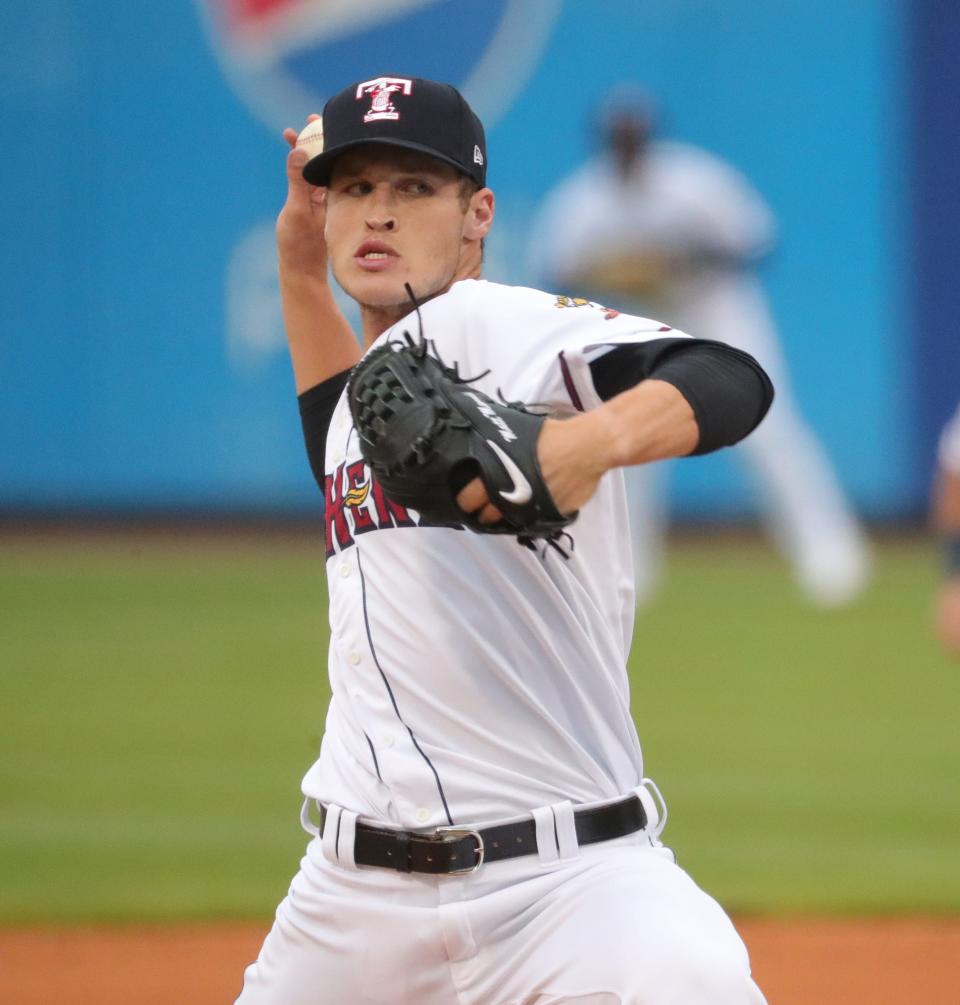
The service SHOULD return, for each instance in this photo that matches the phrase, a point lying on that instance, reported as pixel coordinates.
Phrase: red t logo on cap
(380, 89)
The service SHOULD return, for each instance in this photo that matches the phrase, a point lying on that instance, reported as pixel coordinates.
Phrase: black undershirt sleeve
(727, 388)
(316, 410)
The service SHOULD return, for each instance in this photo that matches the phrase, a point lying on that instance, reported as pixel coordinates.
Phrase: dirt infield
(906, 961)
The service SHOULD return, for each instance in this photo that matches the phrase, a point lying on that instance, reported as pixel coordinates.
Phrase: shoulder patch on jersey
(608, 312)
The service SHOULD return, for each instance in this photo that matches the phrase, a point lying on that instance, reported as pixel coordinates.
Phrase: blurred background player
(667, 230)
(946, 514)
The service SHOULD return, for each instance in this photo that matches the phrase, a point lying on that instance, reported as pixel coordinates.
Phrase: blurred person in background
(946, 515)
(667, 230)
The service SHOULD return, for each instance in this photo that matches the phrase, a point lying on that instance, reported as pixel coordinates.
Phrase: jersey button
(344, 570)
(389, 740)
(423, 814)
(354, 657)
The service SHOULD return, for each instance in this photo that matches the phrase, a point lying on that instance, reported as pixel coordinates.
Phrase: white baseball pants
(614, 923)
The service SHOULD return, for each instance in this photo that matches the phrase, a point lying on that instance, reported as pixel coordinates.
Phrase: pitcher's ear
(480, 212)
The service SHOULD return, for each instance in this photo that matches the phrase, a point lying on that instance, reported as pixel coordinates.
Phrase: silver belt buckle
(450, 834)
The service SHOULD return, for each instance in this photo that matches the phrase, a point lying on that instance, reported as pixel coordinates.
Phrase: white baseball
(311, 138)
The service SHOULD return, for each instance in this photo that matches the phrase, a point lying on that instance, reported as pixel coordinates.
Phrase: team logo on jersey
(608, 312)
(355, 503)
(379, 91)
(563, 301)
(356, 496)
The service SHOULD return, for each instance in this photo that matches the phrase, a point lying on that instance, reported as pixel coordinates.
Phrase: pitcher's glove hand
(426, 433)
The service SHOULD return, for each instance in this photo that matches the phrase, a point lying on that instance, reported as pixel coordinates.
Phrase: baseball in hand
(311, 138)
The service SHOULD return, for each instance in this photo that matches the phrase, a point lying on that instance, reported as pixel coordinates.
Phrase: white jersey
(948, 453)
(473, 678)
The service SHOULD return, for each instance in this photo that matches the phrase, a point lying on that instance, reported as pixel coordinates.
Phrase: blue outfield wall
(142, 359)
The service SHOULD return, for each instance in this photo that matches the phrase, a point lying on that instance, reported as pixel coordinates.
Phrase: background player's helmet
(624, 119)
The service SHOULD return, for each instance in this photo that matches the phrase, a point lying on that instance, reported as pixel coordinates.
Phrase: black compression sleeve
(316, 410)
(727, 388)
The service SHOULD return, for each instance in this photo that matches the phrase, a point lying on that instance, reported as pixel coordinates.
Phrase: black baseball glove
(426, 433)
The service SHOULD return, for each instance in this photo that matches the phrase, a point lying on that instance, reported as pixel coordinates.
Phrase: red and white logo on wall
(286, 57)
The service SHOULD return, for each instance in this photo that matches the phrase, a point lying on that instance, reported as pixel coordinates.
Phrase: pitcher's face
(395, 216)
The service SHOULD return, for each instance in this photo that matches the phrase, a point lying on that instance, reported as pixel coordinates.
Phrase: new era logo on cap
(409, 112)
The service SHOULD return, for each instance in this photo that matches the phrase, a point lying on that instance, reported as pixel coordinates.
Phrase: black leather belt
(459, 850)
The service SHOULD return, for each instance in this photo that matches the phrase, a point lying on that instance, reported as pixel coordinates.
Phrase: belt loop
(547, 844)
(331, 833)
(401, 852)
(654, 805)
(305, 822)
(345, 843)
(567, 844)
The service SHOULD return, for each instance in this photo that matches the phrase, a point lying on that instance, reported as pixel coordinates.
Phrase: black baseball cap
(408, 112)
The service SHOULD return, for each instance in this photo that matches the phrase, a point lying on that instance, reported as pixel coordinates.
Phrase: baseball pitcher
(483, 832)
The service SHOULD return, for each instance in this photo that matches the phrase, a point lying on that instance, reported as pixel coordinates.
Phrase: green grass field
(161, 701)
